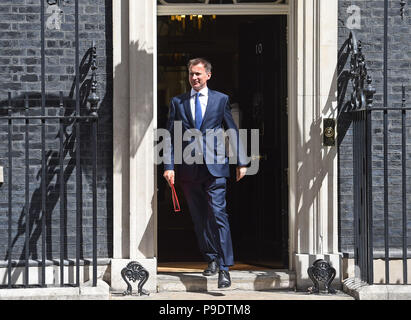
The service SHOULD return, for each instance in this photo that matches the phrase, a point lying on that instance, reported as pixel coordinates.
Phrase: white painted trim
(121, 130)
(223, 9)
(313, 211)
(155, 110)
(292, 124)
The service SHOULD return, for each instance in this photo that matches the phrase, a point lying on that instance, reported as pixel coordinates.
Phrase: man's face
(198, 76)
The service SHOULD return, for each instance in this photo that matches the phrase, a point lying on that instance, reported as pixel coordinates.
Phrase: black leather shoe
(212, 269)
(224, 280)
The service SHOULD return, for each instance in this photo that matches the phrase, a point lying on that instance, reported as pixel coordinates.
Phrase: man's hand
(169, 176)
(241, 171)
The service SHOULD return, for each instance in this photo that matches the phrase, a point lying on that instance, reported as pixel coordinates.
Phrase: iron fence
(24, 111)
(28, 110)
(364, 200)
(373, 130)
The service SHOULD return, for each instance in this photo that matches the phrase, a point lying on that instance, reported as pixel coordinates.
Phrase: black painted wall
(371, 33)
(20, 73)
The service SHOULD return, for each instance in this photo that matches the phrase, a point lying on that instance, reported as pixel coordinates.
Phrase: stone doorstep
(363, 291)
(240, 280)
(84, 292)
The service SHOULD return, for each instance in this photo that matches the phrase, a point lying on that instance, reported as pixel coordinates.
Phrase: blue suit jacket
(217, 117)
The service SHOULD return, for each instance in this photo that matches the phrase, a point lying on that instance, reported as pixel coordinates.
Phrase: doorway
(249, 58)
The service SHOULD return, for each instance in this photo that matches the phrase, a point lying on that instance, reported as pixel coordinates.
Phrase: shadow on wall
(343, 78)
(315, 165)
(135, 98)
(141, 97)
(343, 105)
(52, 164)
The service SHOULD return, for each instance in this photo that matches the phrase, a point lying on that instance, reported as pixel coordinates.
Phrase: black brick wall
(20, 73)
(371, 34)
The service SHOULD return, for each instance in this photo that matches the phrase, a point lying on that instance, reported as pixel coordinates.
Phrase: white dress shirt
(203, 101)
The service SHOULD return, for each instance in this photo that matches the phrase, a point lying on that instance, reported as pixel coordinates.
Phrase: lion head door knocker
(135, 271)
(321, 271)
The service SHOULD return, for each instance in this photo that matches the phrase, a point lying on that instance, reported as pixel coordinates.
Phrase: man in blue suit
(204, 182)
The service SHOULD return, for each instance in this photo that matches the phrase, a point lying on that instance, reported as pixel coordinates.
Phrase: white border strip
(223, 9)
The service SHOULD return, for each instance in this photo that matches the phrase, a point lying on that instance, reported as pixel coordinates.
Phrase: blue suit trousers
(206, 200)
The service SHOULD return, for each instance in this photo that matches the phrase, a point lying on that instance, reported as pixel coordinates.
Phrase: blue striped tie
(198, 114)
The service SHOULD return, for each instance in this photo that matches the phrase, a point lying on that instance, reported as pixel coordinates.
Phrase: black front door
(263, 215)
(249, 58)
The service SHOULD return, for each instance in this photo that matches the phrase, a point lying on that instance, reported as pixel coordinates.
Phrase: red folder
(176, 204)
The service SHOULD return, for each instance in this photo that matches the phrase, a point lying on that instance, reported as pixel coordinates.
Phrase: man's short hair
(196, 61)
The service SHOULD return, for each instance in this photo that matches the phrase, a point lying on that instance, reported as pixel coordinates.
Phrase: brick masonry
(20, 73)
(371, 33)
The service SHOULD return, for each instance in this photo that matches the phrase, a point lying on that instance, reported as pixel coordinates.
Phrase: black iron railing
(24, 110)
(366, 120)
(30, 111)
(360, 107)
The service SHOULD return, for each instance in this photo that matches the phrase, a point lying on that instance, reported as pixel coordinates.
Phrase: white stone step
(240, 280)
